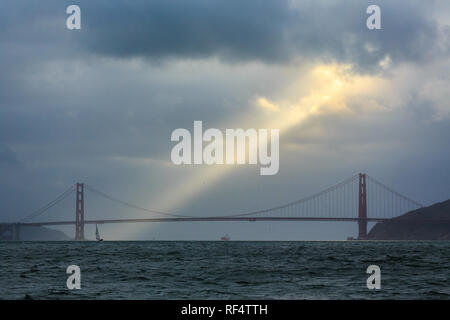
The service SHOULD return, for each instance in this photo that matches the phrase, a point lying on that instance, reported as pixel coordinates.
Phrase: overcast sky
(98, 105)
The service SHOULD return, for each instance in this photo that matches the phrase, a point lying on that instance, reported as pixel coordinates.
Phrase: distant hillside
(42, 234)
(428, 223)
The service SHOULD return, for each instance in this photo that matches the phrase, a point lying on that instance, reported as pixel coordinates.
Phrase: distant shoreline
(425, 224)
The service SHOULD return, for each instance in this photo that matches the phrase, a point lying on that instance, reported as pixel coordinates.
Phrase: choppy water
(225, 270)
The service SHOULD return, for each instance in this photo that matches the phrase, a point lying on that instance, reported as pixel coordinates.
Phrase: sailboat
(97, 234)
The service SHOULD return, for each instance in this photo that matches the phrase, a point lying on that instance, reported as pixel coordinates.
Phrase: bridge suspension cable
(337, 201)
(393, 191)
(303, 200)
(49, 205)
(133, 206)
(297, 202)
(342, 185)
(386, 202)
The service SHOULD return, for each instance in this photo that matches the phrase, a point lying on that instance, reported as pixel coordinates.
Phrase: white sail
(97, 234)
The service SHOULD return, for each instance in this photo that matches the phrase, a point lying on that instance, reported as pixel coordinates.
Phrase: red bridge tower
(79, 213)
(362, 208)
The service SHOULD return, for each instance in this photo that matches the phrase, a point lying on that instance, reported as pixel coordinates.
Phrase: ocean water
(225, 270)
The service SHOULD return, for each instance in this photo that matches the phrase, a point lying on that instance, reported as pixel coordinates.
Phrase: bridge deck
(191, 219)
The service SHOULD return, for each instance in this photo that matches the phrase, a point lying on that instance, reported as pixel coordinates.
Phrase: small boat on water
(225, 238)
(97, 234)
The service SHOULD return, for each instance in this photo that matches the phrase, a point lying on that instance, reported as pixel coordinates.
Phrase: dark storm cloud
(269, 31)
(233, 30)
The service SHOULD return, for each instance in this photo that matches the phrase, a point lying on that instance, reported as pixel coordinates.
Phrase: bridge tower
(362, 207)
(79, 212)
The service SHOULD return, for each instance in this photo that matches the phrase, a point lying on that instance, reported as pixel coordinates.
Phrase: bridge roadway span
(191, 219)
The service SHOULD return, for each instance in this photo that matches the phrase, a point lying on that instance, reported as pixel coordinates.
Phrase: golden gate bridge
(359, 199)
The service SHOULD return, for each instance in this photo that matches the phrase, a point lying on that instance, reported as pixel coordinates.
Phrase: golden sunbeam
(326, 89)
